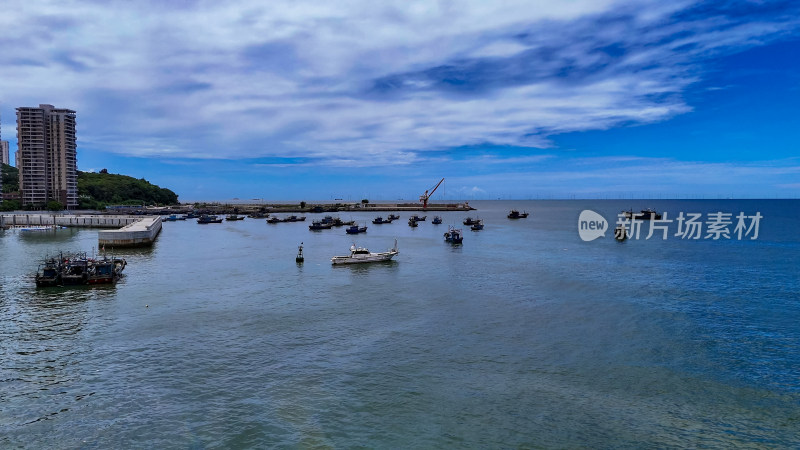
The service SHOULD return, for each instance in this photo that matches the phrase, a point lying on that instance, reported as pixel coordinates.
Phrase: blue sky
(322, 100)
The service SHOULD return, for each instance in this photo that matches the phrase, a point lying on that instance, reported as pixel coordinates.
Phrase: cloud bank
(359, 82)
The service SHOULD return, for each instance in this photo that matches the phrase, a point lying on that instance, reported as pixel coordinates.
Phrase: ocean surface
(525, 336)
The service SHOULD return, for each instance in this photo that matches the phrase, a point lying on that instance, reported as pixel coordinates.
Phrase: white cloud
(286, 78)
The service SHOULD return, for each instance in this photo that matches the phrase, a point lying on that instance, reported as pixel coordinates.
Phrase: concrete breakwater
(84, 221)
(129, 231)
(138, 234)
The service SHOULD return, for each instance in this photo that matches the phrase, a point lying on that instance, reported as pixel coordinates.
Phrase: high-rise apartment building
(4, 152)
(47, 155)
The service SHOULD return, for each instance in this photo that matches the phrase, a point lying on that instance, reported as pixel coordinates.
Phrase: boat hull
(359, 259)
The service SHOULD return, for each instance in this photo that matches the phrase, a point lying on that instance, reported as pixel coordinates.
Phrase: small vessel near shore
(338, 222)
(470, 221)
(453, 236)
(436, 220)
(319, 225)
(359, 255)
(417, 218)
(209, 218)
(477, 225)
(379, 220)
(393, 217)
(514, 214)
(78, 269)
(355, 229)
(234, 217)
(412, 223)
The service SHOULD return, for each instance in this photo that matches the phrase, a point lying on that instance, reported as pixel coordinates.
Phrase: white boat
(362, 255)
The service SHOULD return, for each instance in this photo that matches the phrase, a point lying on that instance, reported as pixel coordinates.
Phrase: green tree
(53, 205)
(10, 176)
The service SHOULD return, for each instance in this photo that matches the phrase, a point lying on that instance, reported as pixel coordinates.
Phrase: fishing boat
(79, 269)
(646, 214)
(477, 225)
(393, 217)
(360, 255)
(258, 215)
(453, 236)
(337, 222)
(319, 225)
(170, 218)
(412, 223)
(514, 214)
(75, 270)
(234, 217)
(417, 218)
(470, 221)
(295, 219)
(379, 220)
(355, 229)
(209, 218)
(436, 220)
(273, 220)
(49, 273)
(105, 270)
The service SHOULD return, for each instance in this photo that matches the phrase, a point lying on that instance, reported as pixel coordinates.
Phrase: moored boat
(273, 220)
(209, 218)
(234, 217)
(393, 217)
(453, 236)
(436, 220)
(514, 214)
(417, 218)
(49, 273)
(79, 269)
(379, 220)
(412, 223)
(470, 221)
(337, 222)
(355, 229)
(477, 225)
(646, 214)
(360, 255)
(319, 225)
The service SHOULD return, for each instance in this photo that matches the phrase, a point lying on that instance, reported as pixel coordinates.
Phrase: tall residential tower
(47, 156)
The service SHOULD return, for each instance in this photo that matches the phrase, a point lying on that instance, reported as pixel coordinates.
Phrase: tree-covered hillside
(10, 176)
(100, 189)
(96, 190)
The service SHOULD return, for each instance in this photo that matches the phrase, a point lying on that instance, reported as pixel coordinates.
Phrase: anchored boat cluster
(78, 269)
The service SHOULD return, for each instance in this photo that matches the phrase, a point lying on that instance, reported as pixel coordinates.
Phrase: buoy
(299, 258)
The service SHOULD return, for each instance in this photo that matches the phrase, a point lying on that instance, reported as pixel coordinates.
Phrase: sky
(320, 100)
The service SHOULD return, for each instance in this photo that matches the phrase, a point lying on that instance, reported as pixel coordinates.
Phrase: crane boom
(424, 197)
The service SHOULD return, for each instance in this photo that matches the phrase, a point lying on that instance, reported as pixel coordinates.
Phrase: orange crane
(424, 198)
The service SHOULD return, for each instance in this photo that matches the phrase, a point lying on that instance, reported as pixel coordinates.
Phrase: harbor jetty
(128, 231)
(138, 234)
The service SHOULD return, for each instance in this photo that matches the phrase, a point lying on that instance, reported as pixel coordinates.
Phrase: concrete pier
(138, 234)
(66, 220)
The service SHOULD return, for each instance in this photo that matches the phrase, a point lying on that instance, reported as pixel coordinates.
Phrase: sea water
(523, 336)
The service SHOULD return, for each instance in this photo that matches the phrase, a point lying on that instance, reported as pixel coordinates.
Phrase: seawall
(138, 234)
